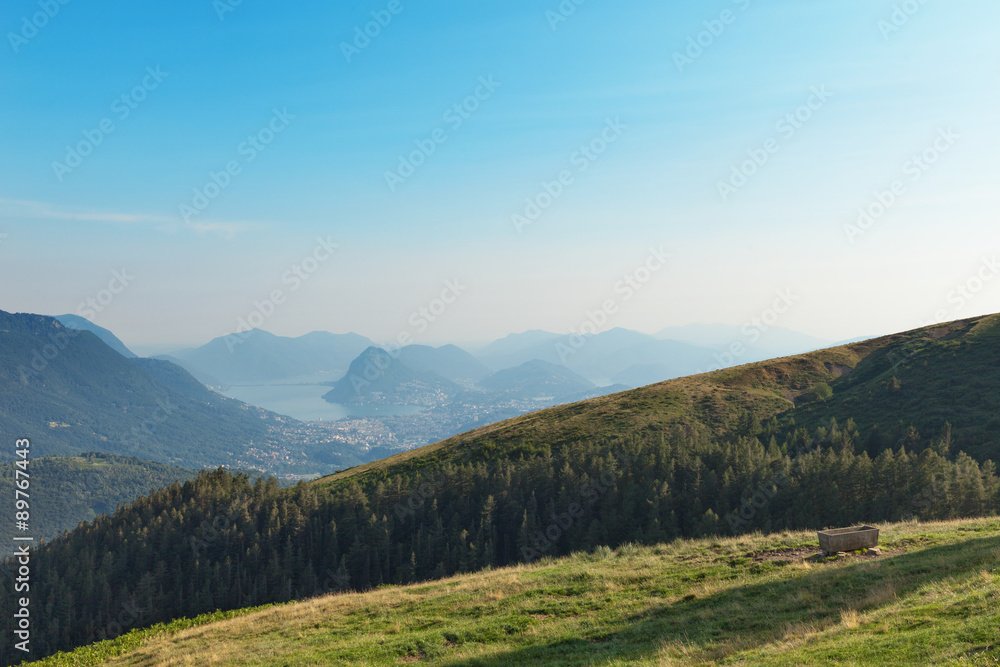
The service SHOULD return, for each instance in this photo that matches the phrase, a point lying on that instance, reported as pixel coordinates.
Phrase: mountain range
(94, 394)
(259, 356)
(69, 392)
(888, 429)
(448, 361)
(617, 356)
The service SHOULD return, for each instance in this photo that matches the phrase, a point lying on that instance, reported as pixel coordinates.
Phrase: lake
(304, 401)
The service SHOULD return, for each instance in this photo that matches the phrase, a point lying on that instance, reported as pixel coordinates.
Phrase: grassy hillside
(925, 377)
(944, 373)
(706, 455)
(932, 598)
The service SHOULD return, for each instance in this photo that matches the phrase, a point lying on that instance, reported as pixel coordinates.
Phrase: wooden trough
(848, 539)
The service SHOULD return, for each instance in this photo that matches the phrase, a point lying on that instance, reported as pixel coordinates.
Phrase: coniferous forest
(222, 542)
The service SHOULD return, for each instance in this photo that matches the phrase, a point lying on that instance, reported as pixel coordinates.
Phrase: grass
(941, 374)
(946, 373)
(933, 597)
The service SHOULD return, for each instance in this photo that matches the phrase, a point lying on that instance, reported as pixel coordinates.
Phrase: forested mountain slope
(69, 393)
(70, 490)
(716, 453)
(928, 377)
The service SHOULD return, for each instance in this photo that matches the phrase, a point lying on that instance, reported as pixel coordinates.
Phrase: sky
(458, 171)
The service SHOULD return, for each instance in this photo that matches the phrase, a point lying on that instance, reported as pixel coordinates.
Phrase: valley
(499, 333)
(686, 459)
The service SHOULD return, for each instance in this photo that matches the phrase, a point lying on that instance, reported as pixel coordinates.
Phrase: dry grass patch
(850, 619)
(685, 603)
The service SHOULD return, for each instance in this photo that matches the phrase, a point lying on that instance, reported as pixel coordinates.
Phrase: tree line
(222, 541)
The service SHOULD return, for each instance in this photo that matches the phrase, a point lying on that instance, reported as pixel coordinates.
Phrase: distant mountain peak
(536, 378)
(261, 356)
(83, 324)
(376, 376)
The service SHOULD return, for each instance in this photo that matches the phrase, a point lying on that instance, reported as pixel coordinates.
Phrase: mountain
(380, 378)
(758, 338)
(69, 490)
(515, 349)
(592, 393)
(83, 324)
(200, 376)
(897, 428)
(607, 354)
(448, 361)
(536, 379)
(602, 357)
(68, 392)
(857, 339)
(927, 377)
(640, 375)
(259, 356)
(935, 586)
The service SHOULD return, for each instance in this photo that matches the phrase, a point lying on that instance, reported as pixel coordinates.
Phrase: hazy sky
(200, 149)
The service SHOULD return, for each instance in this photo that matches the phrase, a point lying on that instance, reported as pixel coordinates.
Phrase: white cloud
(15, 208)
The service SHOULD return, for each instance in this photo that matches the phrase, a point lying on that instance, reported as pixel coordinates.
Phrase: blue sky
(897, 78)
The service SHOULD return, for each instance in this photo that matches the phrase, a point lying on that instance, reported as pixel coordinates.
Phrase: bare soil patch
(802, 554)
